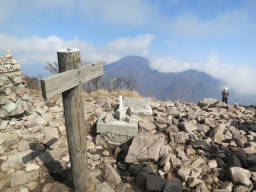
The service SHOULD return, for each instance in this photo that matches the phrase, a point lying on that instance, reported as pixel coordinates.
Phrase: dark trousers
(225, 100)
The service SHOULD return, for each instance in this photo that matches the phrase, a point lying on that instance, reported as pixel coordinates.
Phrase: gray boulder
(240, 175)
(172, 186)
(146, 125)
(181, 137)
(206, 102)
(154, 183)
(104, 187)
(111, 175)
(145, 146)
(189, 126)
(217, 133)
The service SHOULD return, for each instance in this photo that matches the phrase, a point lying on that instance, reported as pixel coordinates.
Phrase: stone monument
(120, 126)
(14, 98)
(121, 111)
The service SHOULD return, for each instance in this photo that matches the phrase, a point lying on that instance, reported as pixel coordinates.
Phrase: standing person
(225, 95)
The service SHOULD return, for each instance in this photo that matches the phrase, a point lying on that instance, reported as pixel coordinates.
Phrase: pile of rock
(14, 98)
(179, 147)
(209, 147)
(8, 63)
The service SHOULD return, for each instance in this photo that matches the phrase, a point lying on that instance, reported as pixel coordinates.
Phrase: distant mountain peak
(134, 57)
(190, 85)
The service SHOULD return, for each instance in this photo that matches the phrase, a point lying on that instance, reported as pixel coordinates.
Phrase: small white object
(24, 190)
(68, 50)
(213, 164)
(31, 167)
(120, 101)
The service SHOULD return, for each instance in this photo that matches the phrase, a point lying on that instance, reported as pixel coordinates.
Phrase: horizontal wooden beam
(61, 82)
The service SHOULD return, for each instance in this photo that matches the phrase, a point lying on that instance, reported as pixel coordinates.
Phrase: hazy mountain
(137, 66)
(190, 85)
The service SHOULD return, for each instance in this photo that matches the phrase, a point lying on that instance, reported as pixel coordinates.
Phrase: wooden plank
(66, 80)
(75, 123)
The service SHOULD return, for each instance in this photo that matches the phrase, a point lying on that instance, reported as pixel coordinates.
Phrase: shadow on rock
(54, 167)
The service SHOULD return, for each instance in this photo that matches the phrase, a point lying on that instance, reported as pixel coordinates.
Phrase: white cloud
(132, 12)
(235, 21)
(36, 49)
(138, 45)
(39, 50)
(115, 49)
(240, 78)
(139, 13)
(170, 64)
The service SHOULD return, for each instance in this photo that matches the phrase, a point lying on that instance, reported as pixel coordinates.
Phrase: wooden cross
(68, 82)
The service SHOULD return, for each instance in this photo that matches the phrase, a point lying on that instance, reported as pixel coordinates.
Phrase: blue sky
(217, 37)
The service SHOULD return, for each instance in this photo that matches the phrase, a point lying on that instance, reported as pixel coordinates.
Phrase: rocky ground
(184, 147)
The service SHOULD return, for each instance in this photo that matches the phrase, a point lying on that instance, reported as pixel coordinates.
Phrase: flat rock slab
(16, 161)
(111, 175)
(145, 146)
(240, 175)
(20, 177)
(104, 187)
(116, 132)
(139, 106)
(117, 127)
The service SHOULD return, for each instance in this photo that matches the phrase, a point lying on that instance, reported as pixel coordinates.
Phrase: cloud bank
(38, 50)
(233, 22)
(240, 78)
(132, 12)
(137, 14)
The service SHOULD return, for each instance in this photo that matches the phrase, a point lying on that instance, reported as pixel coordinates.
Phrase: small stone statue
(121, 111)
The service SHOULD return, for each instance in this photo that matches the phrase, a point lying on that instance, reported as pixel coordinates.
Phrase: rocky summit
(180, 146)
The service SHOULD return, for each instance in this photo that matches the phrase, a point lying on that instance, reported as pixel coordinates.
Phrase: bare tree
(118, 83)
(94, 84)
(108, 83)
(130, 82)
(112, 84)
(52, 67)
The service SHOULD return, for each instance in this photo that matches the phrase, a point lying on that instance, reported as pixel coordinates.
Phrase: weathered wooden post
(74, 118)
(68, 82)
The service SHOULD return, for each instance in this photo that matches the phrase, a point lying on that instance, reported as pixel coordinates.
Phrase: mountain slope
(190, 85)
(137, 66)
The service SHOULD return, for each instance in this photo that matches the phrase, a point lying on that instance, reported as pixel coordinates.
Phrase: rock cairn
(14, 98)
(210, 146)
(8, 63)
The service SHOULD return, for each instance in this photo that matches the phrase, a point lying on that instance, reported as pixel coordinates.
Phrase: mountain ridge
(190, 85)
(158, 84)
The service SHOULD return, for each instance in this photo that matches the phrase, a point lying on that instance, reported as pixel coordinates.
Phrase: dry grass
(95, 94)
(99, 93)
(35, 92)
